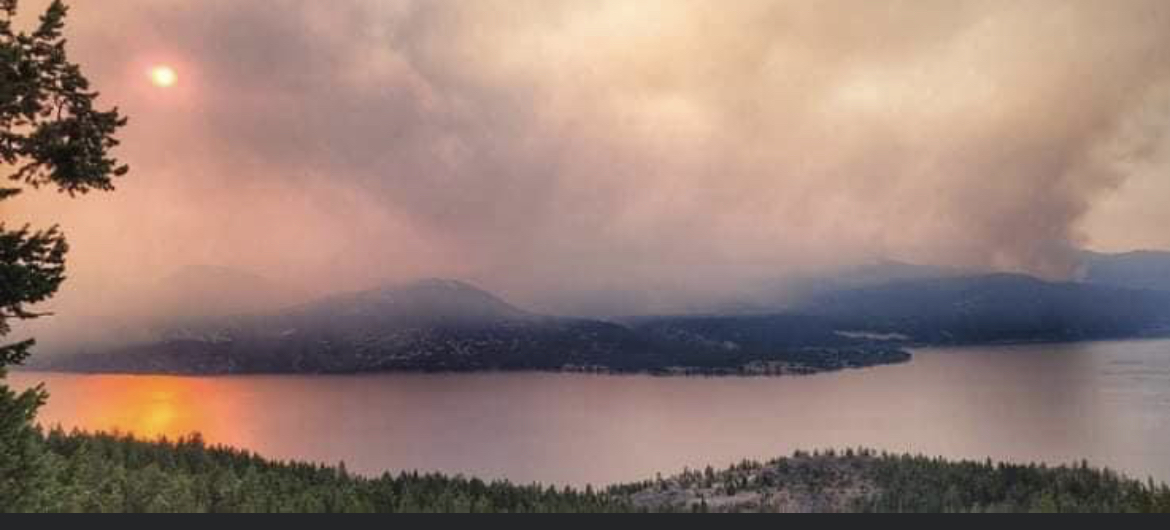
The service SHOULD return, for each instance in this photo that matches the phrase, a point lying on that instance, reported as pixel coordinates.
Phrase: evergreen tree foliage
(118, 473)
(51, 135)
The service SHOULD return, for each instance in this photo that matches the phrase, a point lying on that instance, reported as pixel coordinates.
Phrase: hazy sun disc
(163, 76)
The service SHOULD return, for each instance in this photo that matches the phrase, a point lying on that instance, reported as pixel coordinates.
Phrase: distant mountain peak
(438, 284)
(208, 291)
(436, 287)
(432, 299)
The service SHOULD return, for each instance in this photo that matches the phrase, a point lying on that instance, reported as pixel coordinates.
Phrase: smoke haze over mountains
(543, 148)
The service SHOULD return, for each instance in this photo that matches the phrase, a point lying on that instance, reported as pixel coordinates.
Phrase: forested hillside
(108, 473)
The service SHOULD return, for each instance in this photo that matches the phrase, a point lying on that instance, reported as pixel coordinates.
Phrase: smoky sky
(564, 146)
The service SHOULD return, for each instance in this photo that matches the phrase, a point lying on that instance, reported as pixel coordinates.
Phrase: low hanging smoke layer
(556, 146)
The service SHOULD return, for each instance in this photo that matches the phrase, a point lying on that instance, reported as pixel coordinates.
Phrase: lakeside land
(113, 473)
(450, 326)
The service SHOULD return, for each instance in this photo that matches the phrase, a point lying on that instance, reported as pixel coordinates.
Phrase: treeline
(114, 473)
(933, 485)
(868, 482)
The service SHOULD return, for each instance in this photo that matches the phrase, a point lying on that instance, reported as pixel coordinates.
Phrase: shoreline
(750, 370)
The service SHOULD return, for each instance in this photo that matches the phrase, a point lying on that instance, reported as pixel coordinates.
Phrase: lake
(1105, 402)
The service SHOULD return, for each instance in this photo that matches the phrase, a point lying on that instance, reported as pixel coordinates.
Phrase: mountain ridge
(446, 325)
(437, 324)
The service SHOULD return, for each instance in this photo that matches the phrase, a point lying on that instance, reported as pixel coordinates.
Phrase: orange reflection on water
(148, 407)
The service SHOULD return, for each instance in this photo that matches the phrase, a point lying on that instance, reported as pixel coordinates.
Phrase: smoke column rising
(559, 146)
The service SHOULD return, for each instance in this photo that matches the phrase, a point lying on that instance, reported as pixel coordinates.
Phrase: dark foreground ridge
(107, 473)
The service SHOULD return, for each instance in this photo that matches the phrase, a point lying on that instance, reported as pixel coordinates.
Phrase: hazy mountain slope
(206, 292)
(443, 325)
(138, 312)
(433, 325)
(793, 293)
(996, 308)
(1134, 270)
(773, 295)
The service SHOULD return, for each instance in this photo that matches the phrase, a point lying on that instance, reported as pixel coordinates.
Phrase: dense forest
(866, 481)
(112, 473)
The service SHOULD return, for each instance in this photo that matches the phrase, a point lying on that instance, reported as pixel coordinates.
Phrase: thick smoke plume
(549, 147)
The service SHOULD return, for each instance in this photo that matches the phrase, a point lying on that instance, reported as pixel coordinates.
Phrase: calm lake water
(1105, 402)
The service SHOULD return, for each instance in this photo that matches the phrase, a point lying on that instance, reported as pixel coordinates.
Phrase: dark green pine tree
(51, 136)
